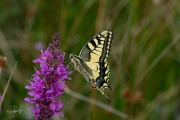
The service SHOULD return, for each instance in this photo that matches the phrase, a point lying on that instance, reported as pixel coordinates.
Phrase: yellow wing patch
(95, 69)
(91, 46)
(92, 66)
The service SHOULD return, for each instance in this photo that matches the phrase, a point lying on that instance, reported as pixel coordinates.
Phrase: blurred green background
(144, 59)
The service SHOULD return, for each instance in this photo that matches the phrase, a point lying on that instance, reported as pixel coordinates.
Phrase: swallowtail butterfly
(92, 61)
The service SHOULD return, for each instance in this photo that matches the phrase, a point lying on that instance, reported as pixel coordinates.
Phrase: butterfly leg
(73, 69)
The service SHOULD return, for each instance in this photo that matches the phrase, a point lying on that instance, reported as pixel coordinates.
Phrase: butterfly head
(71, 56)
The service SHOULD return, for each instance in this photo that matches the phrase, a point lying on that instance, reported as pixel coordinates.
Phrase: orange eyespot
(94, 85)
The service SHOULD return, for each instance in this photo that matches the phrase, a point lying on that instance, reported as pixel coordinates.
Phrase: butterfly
(92, 61)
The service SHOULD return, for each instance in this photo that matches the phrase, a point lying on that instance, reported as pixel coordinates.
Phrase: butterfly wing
(95, 54)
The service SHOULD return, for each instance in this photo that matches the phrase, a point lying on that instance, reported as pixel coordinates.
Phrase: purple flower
(48, 82)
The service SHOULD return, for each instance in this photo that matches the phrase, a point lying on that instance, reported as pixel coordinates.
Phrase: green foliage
(144, 59)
